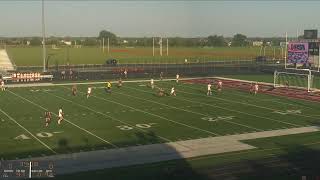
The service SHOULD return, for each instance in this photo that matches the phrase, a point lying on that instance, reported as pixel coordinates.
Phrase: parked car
(111, 62)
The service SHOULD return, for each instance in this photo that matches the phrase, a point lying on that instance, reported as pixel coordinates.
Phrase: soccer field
(133, 115)
(32, 56)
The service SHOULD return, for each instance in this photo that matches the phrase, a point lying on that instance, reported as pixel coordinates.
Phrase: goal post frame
(308, 76)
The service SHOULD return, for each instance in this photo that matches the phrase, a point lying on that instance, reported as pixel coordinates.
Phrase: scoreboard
(26, 169)
(310, 34)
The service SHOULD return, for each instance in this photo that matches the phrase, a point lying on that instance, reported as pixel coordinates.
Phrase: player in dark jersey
(161, 92)
(74, 90)
(119, 83)
(161, 75)
(48, 117)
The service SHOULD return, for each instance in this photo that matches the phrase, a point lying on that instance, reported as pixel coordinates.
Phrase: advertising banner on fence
(298, 52)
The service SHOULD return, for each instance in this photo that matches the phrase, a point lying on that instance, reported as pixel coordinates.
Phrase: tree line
(238, 40)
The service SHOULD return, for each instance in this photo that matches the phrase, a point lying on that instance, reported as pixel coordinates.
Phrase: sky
(158, 18)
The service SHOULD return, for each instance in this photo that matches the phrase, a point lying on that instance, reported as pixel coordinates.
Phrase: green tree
(107, 34)
(90, 42)
(239, 40)
(35, 41)
(216, 41)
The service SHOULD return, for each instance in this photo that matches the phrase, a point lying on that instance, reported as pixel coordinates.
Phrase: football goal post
(299, 80)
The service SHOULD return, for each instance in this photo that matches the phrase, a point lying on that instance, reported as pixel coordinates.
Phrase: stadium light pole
(167, 47)
(43, 39)
(160, 46)
(319, 59)
(153, 46)
(285, 52)
(103, 45)
(108, 45)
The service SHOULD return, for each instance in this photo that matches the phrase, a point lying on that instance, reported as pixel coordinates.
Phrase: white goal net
(299, 80)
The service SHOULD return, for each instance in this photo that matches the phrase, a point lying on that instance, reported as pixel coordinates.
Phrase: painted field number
(22, 137)
(218, 118)
(143, 126)
(44, 135)
(40, 135)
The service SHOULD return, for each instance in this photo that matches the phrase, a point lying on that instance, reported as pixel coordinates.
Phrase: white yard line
(115, 119)
(243, 103)
(240, 112)
(273, 99)
(113, 145)
(161, 117)
(236, 110)
(87, 83)
(218, 146)
(231, 122)
(41, 142)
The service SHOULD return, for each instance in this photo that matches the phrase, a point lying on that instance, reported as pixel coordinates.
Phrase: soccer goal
(299, 80)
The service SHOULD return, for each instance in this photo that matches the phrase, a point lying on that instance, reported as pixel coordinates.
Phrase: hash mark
(57, 132)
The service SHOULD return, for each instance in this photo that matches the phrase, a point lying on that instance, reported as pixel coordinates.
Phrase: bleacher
(5, 63)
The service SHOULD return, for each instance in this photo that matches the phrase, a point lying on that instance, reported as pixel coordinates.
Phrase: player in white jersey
(152, 83)
(60, 115)
(219, 86)
(3, 88)
(173, 92)
(89, 92)
(256, 88)
(209, 92)
(125, 73)
(177, 78)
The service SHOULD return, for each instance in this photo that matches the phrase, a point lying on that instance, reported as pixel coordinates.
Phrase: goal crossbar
(307, 85)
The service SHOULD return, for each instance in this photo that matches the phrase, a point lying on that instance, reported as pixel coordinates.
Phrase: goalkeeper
(108, 87)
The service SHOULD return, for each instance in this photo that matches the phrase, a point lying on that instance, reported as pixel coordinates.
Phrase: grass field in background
(32, 56)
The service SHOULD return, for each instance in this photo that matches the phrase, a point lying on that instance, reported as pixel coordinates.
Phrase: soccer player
(108, 87)
(177, 78)
(287, 84)
(119, 83)
(125, 73)
(251, 88)
(48, 117)
(60, 115)
(256, 88)
(173, 92)
(89, 92)
(209, 92)
(152, 83)
(219, 86)
(161, 75)
(3, 88)
(161, 92)
(74, 90)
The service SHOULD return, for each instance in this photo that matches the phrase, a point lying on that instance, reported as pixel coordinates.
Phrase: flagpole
(167, 47)
(161, 46)
(43, 39)
(152, 46)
